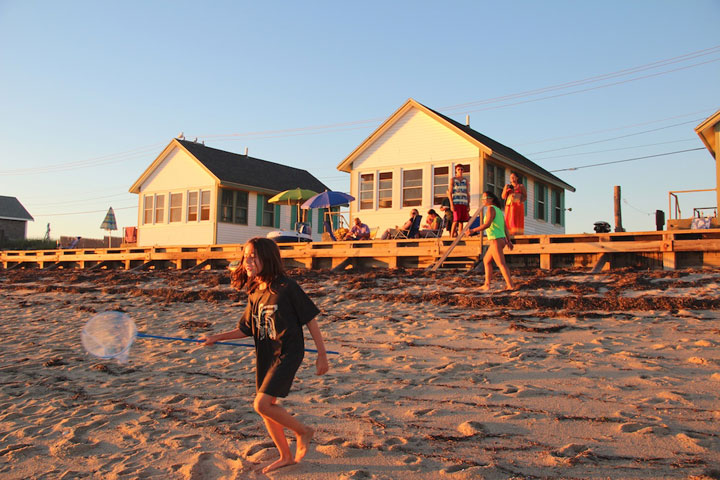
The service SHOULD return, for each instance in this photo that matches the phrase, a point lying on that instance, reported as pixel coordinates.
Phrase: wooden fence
(663, 249)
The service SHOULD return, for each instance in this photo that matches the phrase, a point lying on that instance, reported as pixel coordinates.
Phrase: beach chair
(373, 233)
(412, 233)
(436, 233)
(329, 230)
(303, 227)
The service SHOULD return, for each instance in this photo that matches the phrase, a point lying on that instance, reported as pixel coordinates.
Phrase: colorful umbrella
(296, 196)
(292, 197)
(327, 199)
(109, 224)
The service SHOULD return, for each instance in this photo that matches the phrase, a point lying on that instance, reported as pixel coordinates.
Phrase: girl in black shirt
(276, 312)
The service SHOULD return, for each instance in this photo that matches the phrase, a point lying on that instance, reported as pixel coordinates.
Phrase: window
(412, 188)
(541, 192)
(494, 179)
(160, 209)
(367, 187)
(205, 205)
(148, 209)
(558, 207)
(385, 190)
(234, 206)
(440, 184)
(192, 211)
(268, 212)
(176, 207)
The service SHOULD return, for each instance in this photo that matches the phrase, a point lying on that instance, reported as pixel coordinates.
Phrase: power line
(626, 160)
(615, 138)
(657, 64)
(627, 71)
(78, 201)
(617, 149)
(592, 88)
(622, 127)
(79, 213)
(92, 162)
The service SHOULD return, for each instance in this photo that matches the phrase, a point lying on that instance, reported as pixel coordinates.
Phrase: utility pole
(618, 210)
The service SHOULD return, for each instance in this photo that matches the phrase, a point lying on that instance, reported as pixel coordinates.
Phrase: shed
(13, 219)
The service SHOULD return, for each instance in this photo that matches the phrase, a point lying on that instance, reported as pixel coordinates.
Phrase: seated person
(445, 207)
(432, 225)
(359, 231)
(392, 232)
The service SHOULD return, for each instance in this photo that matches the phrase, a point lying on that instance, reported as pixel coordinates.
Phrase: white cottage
(197, 195)
(408, 161)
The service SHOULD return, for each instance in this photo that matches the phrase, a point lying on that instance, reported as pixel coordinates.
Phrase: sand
(576, 375)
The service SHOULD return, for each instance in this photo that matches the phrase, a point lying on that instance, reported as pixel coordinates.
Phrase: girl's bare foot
(484, 288)
(303, 442)
(279, 463)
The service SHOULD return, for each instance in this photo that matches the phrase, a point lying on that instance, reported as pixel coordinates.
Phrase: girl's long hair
(493, 198)
(268, 253)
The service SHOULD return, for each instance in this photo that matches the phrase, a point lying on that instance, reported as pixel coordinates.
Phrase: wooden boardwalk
(666, 249)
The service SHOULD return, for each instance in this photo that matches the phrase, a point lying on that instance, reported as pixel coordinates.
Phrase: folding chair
(436, 233)
(412, 233)
(373, 233)
(329, 230)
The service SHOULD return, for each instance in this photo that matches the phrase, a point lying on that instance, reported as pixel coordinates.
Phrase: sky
(600, 93)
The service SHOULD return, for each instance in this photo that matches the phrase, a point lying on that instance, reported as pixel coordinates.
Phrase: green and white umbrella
(109, 224)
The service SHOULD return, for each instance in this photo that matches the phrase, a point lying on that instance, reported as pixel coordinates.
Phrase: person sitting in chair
(392, 232)
(433, 225)
(359, 231)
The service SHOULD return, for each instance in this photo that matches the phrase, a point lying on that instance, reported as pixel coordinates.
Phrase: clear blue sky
(91, 92)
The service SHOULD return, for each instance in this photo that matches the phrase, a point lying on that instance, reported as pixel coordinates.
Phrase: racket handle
(193, 340)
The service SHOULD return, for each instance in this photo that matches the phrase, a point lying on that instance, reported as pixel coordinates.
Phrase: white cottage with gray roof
(197, 195)
(406, 163)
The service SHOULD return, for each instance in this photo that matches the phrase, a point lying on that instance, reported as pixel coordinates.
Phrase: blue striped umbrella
(109, 223)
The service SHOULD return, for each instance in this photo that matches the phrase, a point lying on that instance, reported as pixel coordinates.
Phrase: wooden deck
(667, 249)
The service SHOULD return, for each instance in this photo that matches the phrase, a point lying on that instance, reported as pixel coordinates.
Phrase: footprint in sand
(421, 412)
(208, 465)
(471, 428)
(695, 441)
(256, 448)
(357, 475)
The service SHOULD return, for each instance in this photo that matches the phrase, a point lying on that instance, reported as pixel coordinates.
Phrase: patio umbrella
(296, 196)
(109, 224)
(328, 199)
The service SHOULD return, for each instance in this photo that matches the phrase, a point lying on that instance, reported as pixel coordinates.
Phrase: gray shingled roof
(11, 208)
(503, 150)
(244, 170)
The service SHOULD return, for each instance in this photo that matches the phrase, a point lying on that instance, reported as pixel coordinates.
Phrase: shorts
(461, 213)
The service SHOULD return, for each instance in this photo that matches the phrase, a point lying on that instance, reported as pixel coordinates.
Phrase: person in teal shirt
(499, 237)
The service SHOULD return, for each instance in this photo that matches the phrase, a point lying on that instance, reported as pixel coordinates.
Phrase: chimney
(467, 120)
(246, 151)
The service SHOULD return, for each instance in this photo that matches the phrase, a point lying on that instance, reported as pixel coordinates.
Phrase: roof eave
(345, 165)
(706, 132)
(135, 188)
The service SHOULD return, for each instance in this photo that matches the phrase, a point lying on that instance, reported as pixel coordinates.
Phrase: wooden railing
(664, 249)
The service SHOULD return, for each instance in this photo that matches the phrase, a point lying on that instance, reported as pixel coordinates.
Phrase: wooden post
(716, 131)
(618, 210)
(668, 251)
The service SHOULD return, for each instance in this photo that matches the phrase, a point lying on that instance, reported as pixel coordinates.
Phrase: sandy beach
(575, 375)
